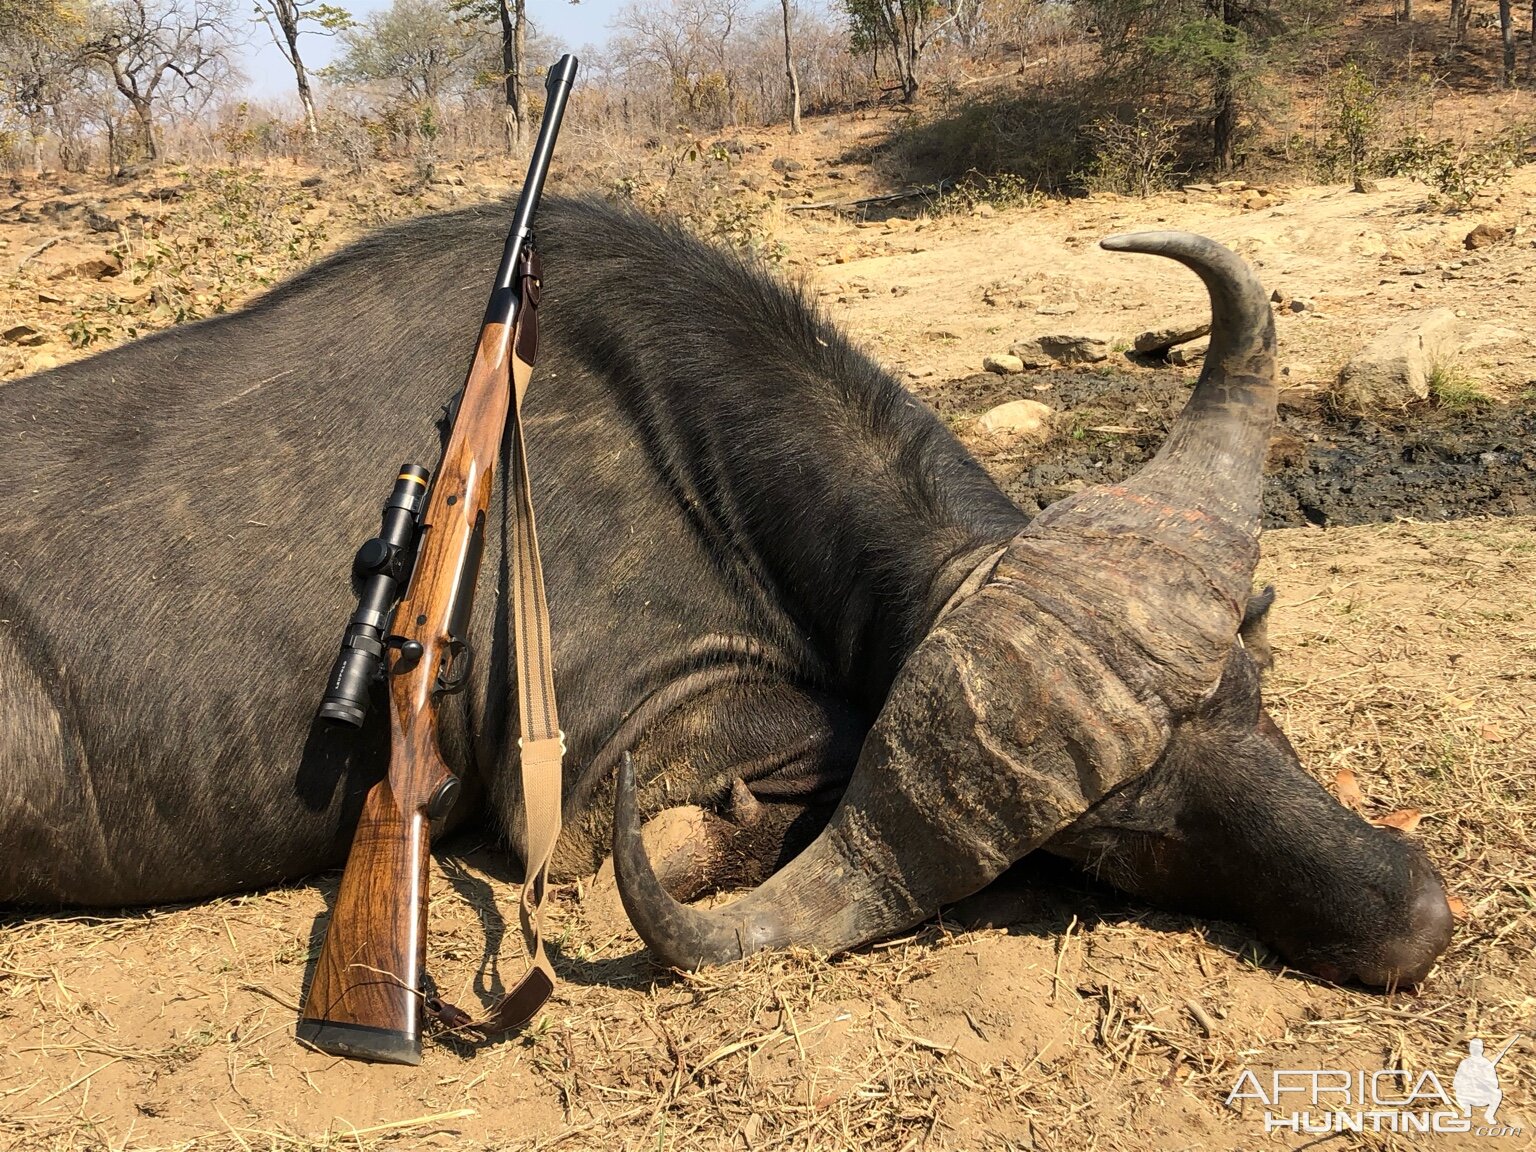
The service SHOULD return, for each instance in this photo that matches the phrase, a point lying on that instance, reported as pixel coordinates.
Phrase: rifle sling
(542, 743)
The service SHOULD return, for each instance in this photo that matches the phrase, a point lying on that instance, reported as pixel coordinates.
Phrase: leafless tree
(793, 77)
(36, 70)
(160, 52)
(283, 19)
(689, 42)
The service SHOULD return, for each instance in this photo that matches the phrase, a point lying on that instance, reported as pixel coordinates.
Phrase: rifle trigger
(449, 414)
(454, 673)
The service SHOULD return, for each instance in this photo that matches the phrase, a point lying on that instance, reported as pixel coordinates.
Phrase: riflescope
(379, 571)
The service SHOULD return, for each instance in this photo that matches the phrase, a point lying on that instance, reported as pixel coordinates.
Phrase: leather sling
(541, 744)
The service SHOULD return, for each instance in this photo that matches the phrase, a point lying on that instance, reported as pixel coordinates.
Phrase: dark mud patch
(1324, 469)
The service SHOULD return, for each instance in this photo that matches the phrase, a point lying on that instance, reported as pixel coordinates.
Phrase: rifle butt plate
(361, 1041)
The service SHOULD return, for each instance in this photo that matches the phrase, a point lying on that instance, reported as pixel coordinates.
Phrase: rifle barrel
(557, 89)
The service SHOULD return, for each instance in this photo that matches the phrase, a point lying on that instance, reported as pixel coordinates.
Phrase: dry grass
(1081, 1021)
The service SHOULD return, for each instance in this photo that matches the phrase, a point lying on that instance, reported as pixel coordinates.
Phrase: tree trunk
(512, 39)
(148, 148)
(519, 55)
(1224, 126)
(35, 126)
(291, 34)
(1407, 15)
(1530, 55)
(1507, 31)
(794, 78)
(910, 17)
(1224, 122)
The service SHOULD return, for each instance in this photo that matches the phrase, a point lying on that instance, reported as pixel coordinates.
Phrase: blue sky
(268, 75)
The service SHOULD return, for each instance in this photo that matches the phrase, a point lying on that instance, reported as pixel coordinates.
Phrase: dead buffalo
(773, 575)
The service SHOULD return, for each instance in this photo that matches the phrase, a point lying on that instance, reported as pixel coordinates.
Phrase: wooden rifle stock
(367, 993)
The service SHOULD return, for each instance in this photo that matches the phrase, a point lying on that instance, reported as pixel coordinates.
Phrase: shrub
(1135, 157)
(1354, 114)
(1458, 172)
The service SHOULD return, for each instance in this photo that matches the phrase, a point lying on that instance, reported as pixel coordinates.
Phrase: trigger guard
(461, 660)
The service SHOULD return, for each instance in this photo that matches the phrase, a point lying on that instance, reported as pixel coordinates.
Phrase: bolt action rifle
(369, 988)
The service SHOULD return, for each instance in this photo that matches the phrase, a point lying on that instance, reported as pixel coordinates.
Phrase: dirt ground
(1042, 1014)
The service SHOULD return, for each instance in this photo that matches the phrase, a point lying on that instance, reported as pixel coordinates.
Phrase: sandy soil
(1077, 1020)
(934, 297)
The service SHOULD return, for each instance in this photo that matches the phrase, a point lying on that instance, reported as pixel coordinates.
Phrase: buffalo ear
(1254, 629)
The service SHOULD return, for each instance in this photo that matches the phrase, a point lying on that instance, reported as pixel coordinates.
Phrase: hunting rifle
(369, 989)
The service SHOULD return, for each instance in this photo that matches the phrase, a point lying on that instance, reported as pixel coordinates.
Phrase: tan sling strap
(541, 745)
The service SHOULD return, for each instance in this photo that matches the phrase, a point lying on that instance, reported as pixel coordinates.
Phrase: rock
(1277, 297)
(1231, 185)
(48, 298)
(1302, 304)
(92, 268)
(1186, 354)
(1485, 234)
(1199, 188)
(99, 221)
(1002, 363)
(1411, 270)
(311, 181)
(782, 165)
(23, 336)
(1363, 185)
(836, 174)
(1158, 340)
(1393, 369)
(1017, 418)
(1056, 309)
(1087, 348)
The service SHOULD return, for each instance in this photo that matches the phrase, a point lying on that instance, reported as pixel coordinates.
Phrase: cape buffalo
(774, 576)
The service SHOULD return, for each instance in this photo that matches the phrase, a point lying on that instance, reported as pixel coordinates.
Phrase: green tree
(510, 17)
(895, 26)
(414, 44)
(283, 19)
(1205, 58)
(1354, 107)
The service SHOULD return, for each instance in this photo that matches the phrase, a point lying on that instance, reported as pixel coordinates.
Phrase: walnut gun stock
(368, 991)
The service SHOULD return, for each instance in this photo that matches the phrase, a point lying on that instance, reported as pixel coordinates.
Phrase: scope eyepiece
(379, 570)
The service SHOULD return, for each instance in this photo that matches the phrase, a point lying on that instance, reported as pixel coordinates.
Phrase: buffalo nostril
(1406, 958)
